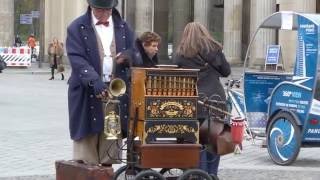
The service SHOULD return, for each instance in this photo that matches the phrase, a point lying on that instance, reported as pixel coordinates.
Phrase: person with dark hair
(17, 41)
(198, 50)
(145, 52)
(147, 45)
(93, 42)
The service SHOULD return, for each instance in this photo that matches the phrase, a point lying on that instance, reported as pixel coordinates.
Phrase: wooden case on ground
(72, 170)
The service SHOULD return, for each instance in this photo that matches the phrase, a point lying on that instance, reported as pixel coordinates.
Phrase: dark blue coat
(85, 110)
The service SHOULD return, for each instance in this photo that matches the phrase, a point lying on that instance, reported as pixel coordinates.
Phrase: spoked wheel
(283, 138)
(195, 174)
(149, 174)
(124, 173)
(171, 173)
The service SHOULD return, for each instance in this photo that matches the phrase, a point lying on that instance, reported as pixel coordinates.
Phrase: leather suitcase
(72, 170)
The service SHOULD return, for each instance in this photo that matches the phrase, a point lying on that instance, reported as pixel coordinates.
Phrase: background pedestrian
(55, 52)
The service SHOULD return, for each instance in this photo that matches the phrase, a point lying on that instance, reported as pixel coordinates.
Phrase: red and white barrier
(16, 56)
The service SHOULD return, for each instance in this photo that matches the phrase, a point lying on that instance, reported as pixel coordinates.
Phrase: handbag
(60, 68)
(218, 137)
(225, 144)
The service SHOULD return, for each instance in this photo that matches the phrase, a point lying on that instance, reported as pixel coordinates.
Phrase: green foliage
(218, 36)
(25, 7)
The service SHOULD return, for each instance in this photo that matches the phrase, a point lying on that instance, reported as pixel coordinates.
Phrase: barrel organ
(164, 104)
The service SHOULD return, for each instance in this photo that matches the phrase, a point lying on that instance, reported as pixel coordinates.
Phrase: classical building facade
(232, 22)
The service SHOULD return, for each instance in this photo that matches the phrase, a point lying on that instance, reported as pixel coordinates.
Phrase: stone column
(201, 12)
(7, 23)
(161, 20)
(130, 11)
(288, 39)
(58, 15)
(259, 11)
(232, 37)
(181, 16)
(144, 16)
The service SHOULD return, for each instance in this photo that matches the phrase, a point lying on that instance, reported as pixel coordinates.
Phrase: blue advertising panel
(292, 97)
(307, 53)
(273, 53)
(258, 88)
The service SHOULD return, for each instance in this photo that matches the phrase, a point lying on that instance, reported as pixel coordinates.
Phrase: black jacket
(212, 65)
(147, 62)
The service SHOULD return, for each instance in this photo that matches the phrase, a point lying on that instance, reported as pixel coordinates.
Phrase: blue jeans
(209, 162)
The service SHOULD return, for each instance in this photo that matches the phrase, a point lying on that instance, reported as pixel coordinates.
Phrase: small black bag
(3, 64)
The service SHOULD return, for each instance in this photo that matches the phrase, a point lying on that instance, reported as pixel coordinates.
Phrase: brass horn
(112, 122)
(117, 87)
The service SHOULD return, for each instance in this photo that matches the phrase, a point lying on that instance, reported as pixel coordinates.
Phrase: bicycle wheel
(283, 138)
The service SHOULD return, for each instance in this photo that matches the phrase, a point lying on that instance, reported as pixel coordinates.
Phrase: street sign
(273, 52)
(25, 18)
(35, 14)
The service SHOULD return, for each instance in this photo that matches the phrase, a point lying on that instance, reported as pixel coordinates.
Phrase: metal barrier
(16, 56)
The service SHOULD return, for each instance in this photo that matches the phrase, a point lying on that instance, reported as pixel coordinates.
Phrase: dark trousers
(209, 162)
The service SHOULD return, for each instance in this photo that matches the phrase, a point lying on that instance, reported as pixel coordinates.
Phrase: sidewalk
(33, 69)
(34, 133)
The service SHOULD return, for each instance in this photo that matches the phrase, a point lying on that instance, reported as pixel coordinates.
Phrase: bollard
(237, 129)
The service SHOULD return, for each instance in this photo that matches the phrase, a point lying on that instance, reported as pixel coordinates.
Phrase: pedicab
(282, 105)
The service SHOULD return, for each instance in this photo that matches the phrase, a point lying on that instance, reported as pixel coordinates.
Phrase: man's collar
(95, 20)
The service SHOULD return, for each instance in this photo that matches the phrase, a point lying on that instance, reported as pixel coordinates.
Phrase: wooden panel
(170, 155)
(138, 99)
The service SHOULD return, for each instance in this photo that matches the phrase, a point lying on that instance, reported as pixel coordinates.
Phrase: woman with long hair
(199, 50)
(55, 52)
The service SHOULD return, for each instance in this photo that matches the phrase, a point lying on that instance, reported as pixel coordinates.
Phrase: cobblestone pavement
(255, 163)
(34, 123)
(34, 133)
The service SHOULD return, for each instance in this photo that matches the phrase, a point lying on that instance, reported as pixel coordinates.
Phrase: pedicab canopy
(258, 87)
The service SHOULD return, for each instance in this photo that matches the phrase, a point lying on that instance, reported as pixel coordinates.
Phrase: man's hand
(119, 59)
(104, 94)
(122, 57)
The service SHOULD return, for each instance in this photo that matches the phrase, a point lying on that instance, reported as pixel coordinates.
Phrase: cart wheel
(171, 172)
(123, 174)
(195, 174)
(283, 138)
(149, 174)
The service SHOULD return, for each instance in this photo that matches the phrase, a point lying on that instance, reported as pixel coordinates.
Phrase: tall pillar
(232, 38)
(130, 12)
(58, 15)
(201, 12)
(144, 16)
(7, 23)
(181, 16)
(288, 39)
(259, 11)
(161, 20)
